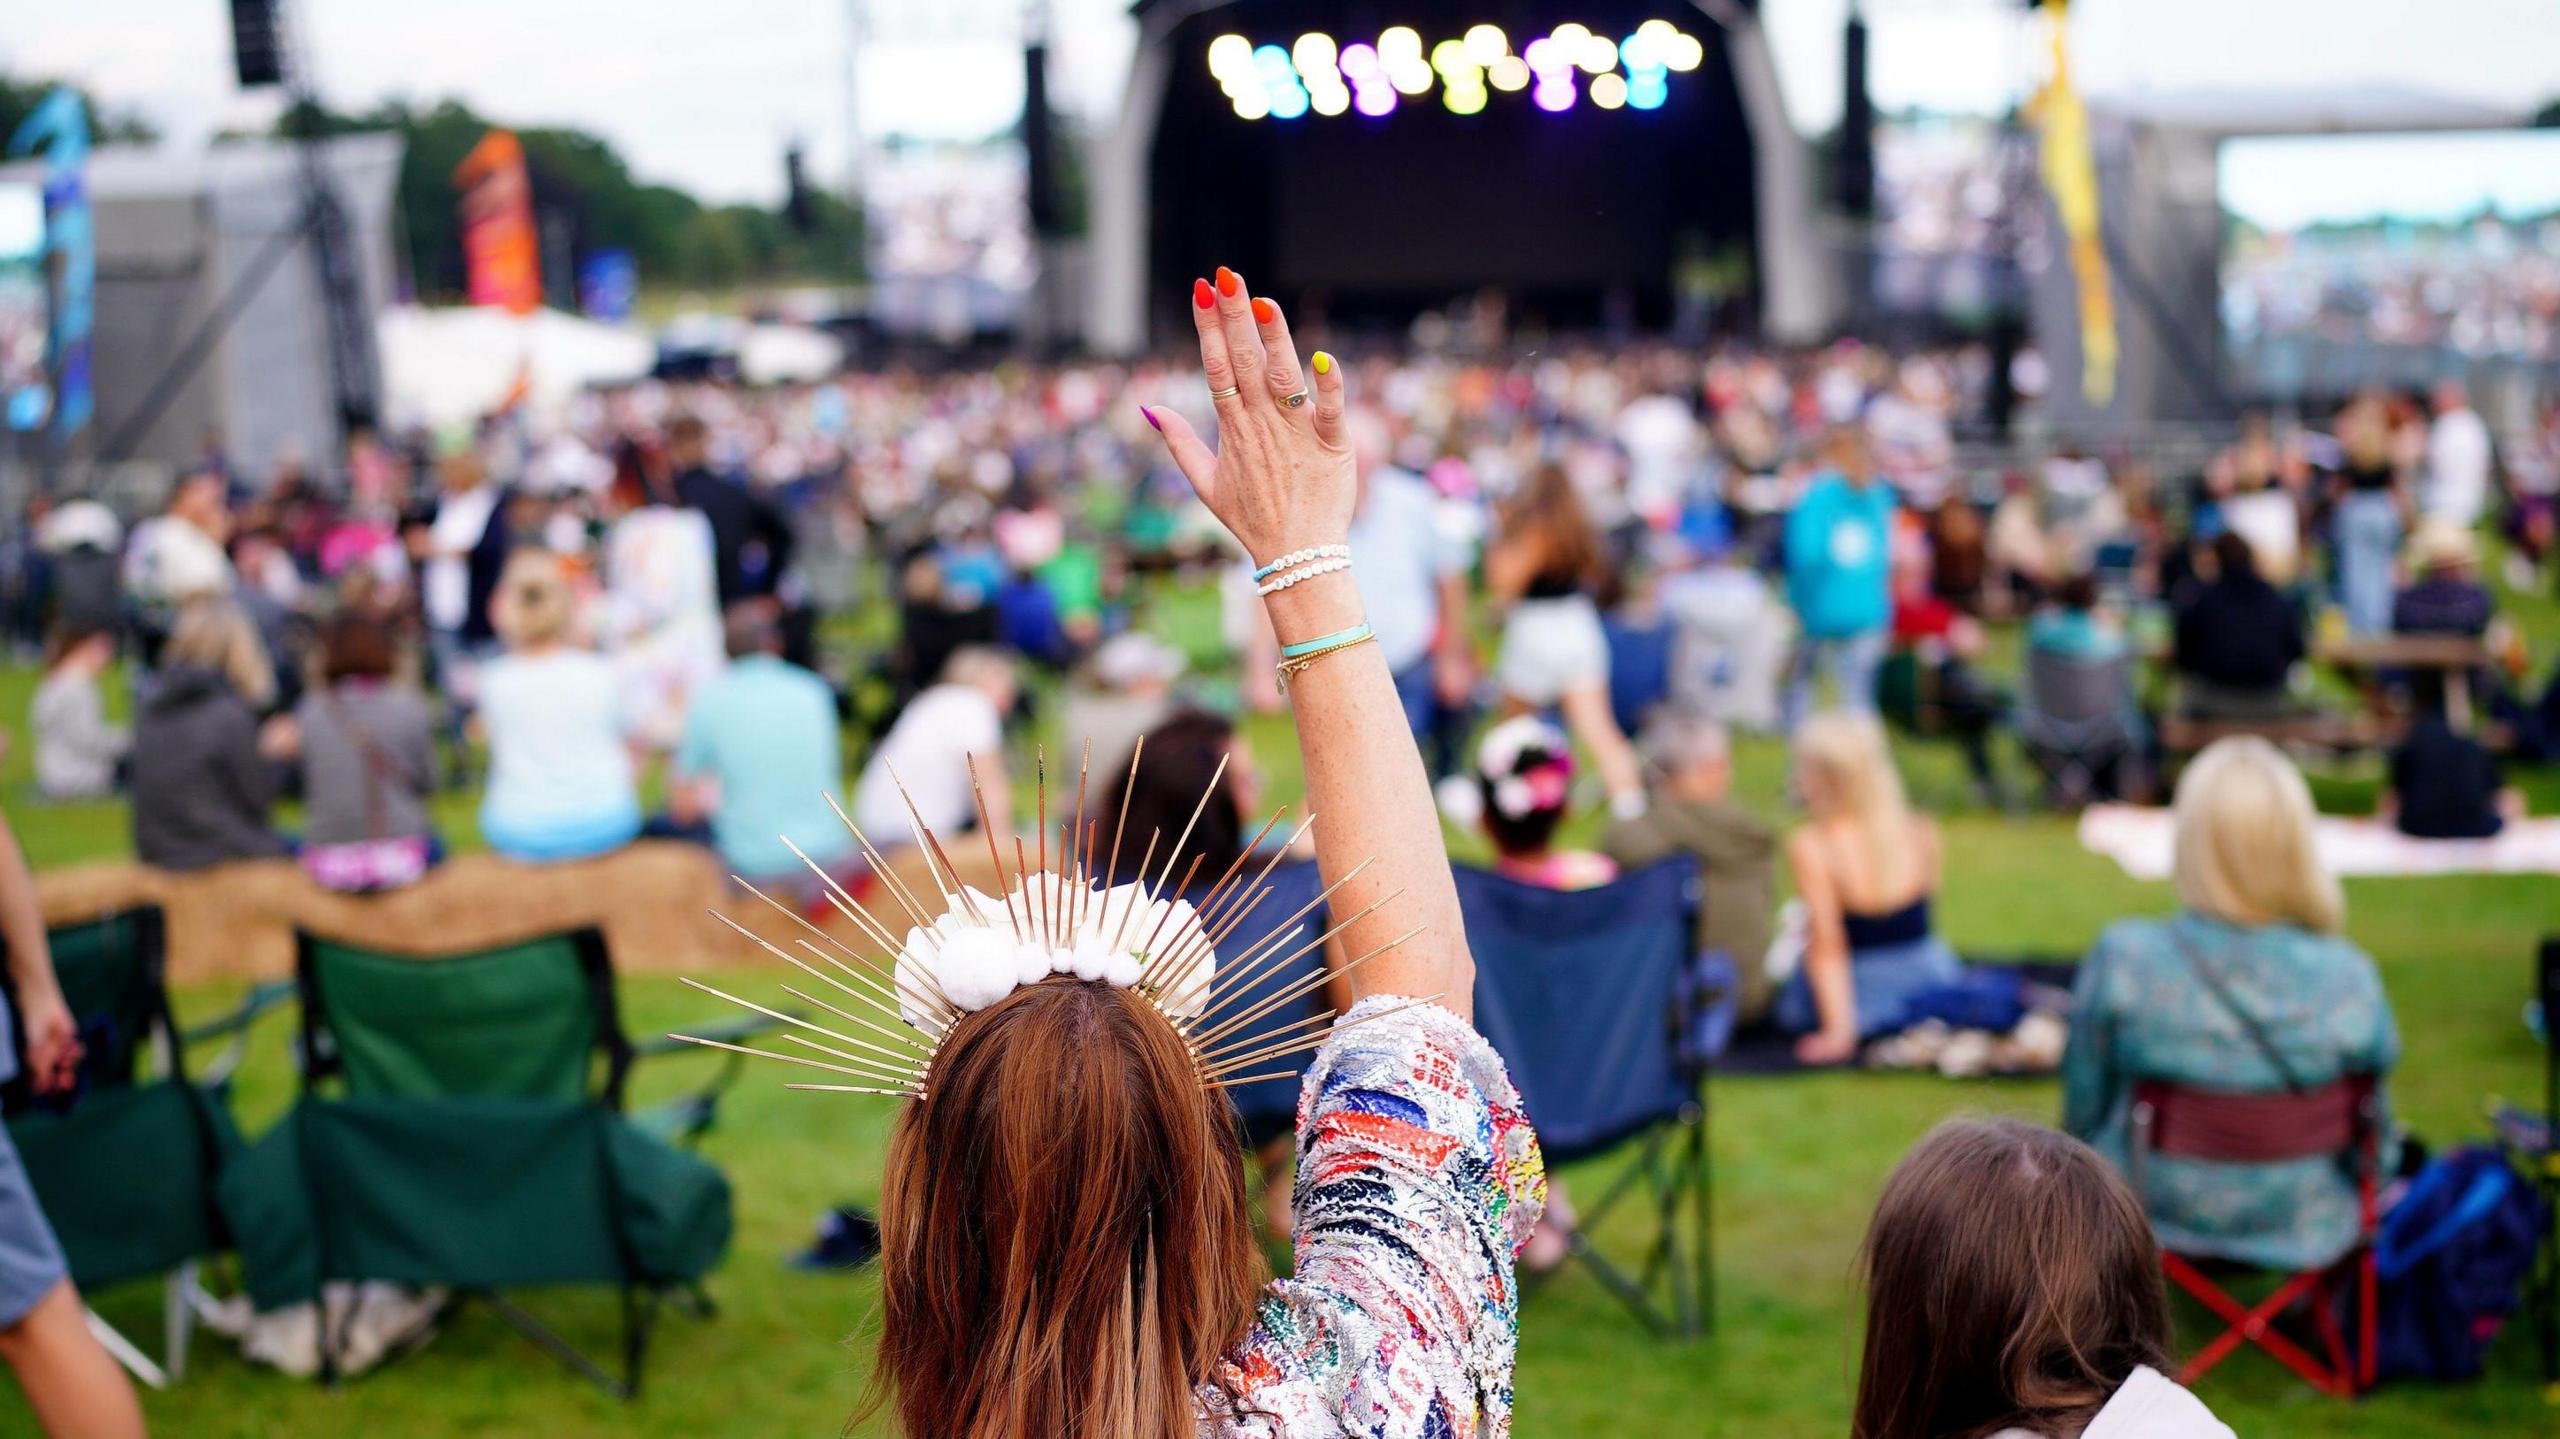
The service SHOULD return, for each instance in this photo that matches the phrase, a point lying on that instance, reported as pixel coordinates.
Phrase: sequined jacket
(1418, 1181)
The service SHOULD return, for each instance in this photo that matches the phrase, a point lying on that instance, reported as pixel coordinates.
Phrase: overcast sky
(702, 93)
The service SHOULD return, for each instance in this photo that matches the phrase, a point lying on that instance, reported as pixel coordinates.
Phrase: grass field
(1798, 1164)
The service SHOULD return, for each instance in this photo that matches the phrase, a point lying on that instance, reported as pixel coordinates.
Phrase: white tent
(446, 367)
(787, 354)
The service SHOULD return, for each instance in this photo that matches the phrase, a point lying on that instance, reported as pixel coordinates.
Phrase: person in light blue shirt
(760, 756)
(1838, 559)
(1412, 575)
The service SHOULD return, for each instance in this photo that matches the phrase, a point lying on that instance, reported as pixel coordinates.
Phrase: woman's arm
(1282, 480)
(1826, 955)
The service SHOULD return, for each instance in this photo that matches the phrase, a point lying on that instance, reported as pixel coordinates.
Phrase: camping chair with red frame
(2340, 1119)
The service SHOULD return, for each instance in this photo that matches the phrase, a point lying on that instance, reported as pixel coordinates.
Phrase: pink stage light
(1374, 100)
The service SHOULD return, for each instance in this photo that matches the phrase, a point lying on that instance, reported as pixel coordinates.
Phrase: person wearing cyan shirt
(942, 734)
(761, 756)
(1837, 577)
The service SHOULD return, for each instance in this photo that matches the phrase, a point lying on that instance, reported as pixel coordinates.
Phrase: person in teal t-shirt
(760, 756)
(1838, 558)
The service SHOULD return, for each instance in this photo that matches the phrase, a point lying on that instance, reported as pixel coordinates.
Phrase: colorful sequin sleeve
(1418, 1181)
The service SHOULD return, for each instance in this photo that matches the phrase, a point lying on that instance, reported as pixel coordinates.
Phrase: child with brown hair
(2013, 1292)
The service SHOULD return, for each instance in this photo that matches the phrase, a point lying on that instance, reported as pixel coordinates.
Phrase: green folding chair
(462, 1126)
(126, 1163)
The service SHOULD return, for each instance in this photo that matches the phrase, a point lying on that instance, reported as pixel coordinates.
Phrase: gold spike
(1111, 872)
(1280, 934)
(1211, 1056)
(1224, 1083)
(1040, 798)
(918, 1051)
(1273, 1049)
(769, 1054)
(858, 1089)
(1188, 825)
(1271, 861)
(922, 1002)
(894, 994)
(767, 1013)
(1076, 841)
(933, 842)
(1297, 988)
(987, 827)
(880, 869)
(1137, 902)
(930, 1007)
(1149, 947)
(907, 1073)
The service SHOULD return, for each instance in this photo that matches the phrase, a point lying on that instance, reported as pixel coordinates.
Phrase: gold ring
(1293, 401)
(1229, 393)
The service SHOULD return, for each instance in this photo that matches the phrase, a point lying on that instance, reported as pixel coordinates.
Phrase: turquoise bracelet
(1351, 636)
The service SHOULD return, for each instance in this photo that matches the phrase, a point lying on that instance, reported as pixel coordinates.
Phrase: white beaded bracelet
(1299, 557)
(1324, 567)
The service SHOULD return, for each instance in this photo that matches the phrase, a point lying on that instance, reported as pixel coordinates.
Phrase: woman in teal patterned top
(2260, 920)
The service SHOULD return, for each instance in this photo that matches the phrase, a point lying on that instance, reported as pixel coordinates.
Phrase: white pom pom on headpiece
(972, 949)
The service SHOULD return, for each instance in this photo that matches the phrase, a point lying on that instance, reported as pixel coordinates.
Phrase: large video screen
(2356, 259)
(24, 309)
(1941, 194)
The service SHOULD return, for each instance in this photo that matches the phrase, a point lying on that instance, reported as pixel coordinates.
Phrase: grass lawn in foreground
(1798, 1163)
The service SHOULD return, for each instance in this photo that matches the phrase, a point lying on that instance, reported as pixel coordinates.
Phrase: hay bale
(653, 900)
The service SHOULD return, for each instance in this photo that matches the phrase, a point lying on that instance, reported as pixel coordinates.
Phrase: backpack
(2452, 1257)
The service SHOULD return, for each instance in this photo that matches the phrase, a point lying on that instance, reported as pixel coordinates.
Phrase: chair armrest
(731, 1030)
(260, 999)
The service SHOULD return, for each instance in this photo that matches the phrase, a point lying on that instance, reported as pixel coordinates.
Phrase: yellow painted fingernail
(1324, 363)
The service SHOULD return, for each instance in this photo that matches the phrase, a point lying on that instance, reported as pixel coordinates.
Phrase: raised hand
(1281, 479)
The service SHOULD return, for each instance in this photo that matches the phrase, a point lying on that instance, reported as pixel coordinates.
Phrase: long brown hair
(1548, 517)
(2012, 1281)
(1066, 1243)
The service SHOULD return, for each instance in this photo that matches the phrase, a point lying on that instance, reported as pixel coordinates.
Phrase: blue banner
(607, 283)
(59, 127)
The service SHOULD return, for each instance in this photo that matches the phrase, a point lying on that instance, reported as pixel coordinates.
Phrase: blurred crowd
(1727, 531)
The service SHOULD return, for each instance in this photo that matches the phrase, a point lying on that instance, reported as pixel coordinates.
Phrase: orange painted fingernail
(1228, 284)
(1264, 311)
(1324, 363)
(1201, 294)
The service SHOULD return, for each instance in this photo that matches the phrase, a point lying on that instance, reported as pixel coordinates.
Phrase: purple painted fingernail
(1151, 418)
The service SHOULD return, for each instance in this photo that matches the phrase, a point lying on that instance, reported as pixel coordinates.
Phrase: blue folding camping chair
(1584, 994)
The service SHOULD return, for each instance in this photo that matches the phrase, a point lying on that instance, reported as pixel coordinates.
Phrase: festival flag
(501, 259)
(2071, 176)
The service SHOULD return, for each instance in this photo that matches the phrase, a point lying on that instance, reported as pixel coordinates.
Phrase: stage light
(1398, 43)
(1647, 91)
(1545, 56)
(1375, 100)
(1486, 44)
(1273, 62)
(1599, 55)
(1314, 54)
(1329, 100)
(1449, 57)
(1569, 36)
(1358, 61)
(1508, 73)
(1463, 100)
(1230, 54)
(1410, 76)
(1609, 92)
(1289, 104)
(1252, 105)
(1554, 94)
(1684, 53)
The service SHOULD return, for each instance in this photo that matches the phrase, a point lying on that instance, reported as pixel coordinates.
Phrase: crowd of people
(1619, 560)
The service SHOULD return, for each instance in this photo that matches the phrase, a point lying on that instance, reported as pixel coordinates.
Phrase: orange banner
(501, 260)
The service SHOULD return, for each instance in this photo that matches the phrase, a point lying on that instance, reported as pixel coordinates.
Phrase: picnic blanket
(2139, 840)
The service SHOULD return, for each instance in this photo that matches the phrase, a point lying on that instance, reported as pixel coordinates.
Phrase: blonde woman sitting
(1865, 868)
(2250, 987)
(560, 781)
